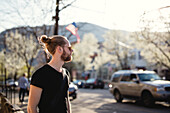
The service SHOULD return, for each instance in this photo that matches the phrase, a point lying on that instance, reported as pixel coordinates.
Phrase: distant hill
(84, 28)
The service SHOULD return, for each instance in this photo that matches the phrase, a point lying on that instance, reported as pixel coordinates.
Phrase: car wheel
(118, 96)
(84, 86)
(75, 96)
(91, 87)
(169, 100)
(148, 99)
(102, 87)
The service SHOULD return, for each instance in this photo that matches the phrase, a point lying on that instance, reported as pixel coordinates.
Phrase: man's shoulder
(41, 69)
(66, 72)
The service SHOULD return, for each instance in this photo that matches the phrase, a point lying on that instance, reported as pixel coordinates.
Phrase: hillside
(84, 28)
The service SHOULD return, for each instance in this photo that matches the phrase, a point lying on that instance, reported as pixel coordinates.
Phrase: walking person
(23, 85)
(50, 83)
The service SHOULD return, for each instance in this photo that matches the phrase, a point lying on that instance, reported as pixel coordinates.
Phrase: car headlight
(79, 83)
(160, 89)
(110, 85)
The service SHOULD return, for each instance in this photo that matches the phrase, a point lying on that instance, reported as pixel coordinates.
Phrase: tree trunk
(28, 72)
(56, 18)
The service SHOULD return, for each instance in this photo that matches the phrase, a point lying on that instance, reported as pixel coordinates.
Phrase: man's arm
(34, 98)
(68, 100)
(69, 104)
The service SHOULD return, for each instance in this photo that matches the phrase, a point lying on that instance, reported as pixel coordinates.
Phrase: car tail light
(95, 82)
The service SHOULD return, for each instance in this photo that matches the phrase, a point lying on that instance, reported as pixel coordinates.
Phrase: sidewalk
(23, 105)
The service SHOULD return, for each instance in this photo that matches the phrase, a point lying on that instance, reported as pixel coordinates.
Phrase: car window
(99, 80)
(90, 80)
(148, 77)
(126, 77)
(76, 81)
(115, 77)
(132, 76)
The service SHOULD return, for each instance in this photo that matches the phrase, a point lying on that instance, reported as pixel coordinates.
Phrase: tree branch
(67, 5)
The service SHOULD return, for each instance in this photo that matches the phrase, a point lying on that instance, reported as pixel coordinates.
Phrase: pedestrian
(23, 85)
(50, 83)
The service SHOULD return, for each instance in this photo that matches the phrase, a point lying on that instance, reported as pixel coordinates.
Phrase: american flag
(74, 30)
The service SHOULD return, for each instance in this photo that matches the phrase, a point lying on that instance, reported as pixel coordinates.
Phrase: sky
(111, 14)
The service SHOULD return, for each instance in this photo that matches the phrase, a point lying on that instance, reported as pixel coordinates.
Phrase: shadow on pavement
(132, 107)
(23, 105)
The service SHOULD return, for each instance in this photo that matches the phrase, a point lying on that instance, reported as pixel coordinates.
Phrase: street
(101, 101)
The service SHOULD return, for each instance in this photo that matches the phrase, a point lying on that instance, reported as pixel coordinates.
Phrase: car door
(134, 86)
(124, 84)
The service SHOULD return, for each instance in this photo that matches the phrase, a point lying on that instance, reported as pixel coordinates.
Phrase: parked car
(79, 83)
(144, 85)
(94, 83)
(73, 90)
(9, 82)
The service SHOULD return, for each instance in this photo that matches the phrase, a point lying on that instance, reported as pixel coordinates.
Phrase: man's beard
(66, 57)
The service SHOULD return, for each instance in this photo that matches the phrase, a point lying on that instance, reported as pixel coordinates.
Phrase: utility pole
(56, 17)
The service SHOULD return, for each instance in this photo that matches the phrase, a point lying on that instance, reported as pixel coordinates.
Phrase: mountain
(84, 28)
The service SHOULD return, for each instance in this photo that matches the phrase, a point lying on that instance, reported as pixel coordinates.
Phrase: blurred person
(23, 86)
(50, 83)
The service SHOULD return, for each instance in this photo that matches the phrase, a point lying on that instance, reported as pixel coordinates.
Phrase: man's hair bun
(45, 39)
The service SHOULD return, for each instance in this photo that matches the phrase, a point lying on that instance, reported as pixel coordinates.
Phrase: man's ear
(60, 49)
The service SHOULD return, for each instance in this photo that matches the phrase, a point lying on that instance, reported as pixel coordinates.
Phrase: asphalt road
(101, 101)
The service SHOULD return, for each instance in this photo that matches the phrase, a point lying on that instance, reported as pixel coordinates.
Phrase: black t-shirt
(53, 99)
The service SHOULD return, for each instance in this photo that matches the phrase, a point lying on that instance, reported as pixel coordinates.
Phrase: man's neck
(56, 65)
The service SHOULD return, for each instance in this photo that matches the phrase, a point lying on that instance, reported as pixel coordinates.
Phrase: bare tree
(88, 53)
(154, 38)
(85, 49)
(58, 9)
(32, 12)
(27, 13)
(22, 47)
(118, 44)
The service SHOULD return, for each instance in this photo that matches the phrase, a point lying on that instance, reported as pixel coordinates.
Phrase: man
(23, 85)
(50, 83)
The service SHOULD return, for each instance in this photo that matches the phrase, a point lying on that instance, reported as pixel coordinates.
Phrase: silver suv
(135, 84)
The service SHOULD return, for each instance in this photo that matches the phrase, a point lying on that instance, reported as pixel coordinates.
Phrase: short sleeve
(67, 73)
(37, 79)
